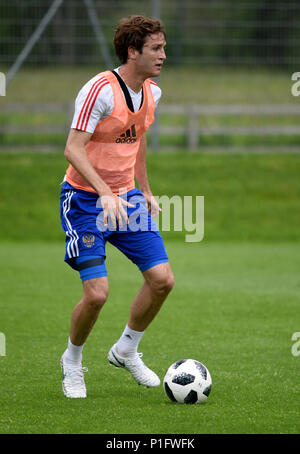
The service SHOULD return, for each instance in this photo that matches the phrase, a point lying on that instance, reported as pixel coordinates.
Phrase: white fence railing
(192, 129)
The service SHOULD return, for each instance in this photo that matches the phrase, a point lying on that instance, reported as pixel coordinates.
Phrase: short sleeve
(93, 103)
(156, 91)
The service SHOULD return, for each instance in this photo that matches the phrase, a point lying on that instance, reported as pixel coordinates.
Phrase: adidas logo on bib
(128, 137)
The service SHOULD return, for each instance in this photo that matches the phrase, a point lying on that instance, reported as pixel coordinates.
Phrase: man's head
(138, 33)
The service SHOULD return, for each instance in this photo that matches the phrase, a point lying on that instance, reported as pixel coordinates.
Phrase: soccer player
(106, 149)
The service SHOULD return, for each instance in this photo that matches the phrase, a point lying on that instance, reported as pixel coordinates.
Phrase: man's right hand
(113, 208)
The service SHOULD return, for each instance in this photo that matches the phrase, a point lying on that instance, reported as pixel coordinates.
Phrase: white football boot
(140, 372)
(73, 381)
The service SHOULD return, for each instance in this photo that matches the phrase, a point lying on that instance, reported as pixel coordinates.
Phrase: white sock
(73, 353)
(128, 343)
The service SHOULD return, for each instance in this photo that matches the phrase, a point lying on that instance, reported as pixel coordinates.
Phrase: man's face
(150, 61)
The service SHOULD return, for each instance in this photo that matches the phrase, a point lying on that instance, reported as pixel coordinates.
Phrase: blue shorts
(86, 236)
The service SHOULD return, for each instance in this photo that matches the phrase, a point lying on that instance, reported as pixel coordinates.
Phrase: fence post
(92, 13)
(192, 131)
(33, 40)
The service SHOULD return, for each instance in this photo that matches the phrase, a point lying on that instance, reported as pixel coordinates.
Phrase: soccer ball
(188, 382)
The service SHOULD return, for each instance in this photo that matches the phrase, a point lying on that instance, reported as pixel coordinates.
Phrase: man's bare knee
(95, 293)
(163, 284)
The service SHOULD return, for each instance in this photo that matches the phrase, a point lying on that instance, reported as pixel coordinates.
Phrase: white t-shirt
(102, 107)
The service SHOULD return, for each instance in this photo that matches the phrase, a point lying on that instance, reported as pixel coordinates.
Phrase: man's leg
(84, 316)
(159, 281)
(85, 313)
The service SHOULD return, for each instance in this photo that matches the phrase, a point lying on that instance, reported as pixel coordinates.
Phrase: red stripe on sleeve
(86, 103)
(92, 105)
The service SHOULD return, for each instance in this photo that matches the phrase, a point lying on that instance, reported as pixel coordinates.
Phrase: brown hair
(132, 31)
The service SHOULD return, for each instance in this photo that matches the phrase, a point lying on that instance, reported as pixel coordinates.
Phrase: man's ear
(132, 53)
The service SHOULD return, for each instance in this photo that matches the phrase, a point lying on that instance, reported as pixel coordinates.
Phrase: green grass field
(235, 310)
(247, 197)
(235, 305)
